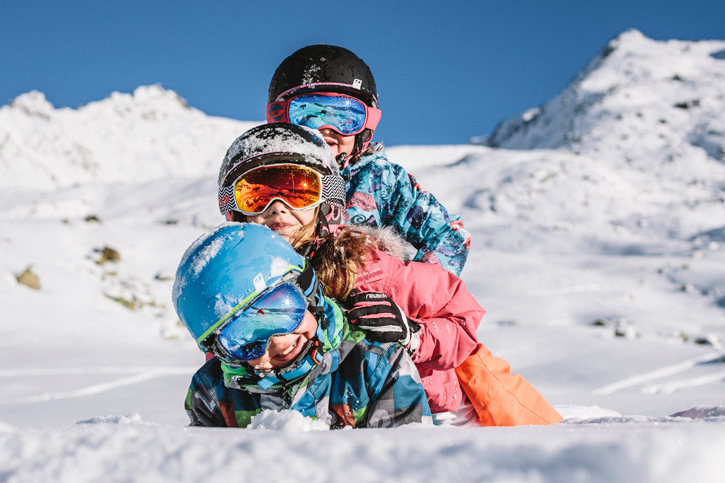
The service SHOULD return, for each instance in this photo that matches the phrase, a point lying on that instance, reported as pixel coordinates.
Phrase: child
(284, 177)
(245, 295)
(331, 89)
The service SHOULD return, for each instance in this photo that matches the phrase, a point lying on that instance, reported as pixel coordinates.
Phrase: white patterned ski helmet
(283, 143)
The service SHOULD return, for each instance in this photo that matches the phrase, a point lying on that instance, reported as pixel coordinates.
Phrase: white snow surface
(598, 241)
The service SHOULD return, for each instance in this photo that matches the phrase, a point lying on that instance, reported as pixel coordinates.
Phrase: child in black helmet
(331, 89)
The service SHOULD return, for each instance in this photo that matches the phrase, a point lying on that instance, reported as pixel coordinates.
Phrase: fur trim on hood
(386, 239)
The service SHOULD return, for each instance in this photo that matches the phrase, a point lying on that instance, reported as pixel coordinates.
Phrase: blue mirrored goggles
(276, 311)
(346, 115)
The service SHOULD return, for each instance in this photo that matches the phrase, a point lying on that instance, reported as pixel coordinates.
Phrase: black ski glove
(380, 318)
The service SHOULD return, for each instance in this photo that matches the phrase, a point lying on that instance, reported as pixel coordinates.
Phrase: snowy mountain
(646, 116)
(639, 101)
(598, 251)
(148, 135)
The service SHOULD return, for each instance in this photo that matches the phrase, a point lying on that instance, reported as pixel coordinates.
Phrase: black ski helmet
(323, 68)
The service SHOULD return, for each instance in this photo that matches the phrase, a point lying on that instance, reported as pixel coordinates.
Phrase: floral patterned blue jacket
(381, 193)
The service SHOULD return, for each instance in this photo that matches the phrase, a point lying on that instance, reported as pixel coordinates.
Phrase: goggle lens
(279, 311)
(345, 114)
(297, 186)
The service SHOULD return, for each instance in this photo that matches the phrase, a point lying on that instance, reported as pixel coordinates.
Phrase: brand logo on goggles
(276, 112)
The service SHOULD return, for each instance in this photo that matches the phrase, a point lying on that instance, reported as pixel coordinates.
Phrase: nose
(277, 207)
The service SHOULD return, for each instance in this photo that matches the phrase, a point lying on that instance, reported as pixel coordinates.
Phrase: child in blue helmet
(331, 89)
(245, 295)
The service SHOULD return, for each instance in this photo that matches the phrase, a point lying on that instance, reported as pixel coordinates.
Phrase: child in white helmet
(284, 176)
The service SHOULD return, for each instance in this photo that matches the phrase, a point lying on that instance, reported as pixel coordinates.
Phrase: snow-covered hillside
(598, 252)
(147, 135)
(639, 101)
(649, 113)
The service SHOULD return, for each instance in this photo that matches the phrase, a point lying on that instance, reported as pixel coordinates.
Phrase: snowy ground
(604, 283)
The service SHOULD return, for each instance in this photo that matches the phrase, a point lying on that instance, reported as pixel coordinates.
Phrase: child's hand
(380, 318)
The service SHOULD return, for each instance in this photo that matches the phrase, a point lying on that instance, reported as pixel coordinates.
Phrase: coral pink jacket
(447, 313)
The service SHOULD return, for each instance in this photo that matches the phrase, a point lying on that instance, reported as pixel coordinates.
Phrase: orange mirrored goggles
(298, 187)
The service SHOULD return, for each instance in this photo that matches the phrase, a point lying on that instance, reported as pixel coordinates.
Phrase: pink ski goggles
(318, 110)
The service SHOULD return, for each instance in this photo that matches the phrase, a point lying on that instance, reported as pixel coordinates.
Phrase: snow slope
(137, 137)
(597, 252)
(639, 101)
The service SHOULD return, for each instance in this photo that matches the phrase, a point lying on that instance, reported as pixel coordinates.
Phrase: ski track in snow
(661, 373)
(681, 384)
(139, 375)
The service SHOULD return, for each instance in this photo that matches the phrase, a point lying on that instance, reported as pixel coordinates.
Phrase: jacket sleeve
(397, 395)
(426, 224)
(202, 405)
(448, 314)
(210, 403)
(418, 216)
(437, 300)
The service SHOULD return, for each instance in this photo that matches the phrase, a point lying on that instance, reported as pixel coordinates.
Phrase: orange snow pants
(499, 397)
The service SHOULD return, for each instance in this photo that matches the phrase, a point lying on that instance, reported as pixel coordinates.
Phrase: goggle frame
(278, 111)
(210, 340)
(320, 182)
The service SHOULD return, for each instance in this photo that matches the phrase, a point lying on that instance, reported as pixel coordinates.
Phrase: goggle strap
(256, 160)
(227, 201)
(305, 280)
(315, 87)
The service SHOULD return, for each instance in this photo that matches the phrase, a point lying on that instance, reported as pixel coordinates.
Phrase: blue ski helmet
(229, 266)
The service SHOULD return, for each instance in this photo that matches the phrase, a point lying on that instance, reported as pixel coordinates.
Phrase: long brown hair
(341, 258)
(358, 152)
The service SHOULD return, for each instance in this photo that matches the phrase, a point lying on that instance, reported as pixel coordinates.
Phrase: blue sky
(446, 71)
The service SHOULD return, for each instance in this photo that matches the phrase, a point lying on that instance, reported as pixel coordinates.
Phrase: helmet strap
(322, 231)
(342, 160)
(361, 142)
(310, 357)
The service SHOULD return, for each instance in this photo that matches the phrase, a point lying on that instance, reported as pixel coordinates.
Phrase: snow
(131, 450)
(598, 241)
(148, 135)
(201, 257)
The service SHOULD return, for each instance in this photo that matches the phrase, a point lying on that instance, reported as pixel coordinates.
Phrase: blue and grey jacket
(381, 193)
(358, 383)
